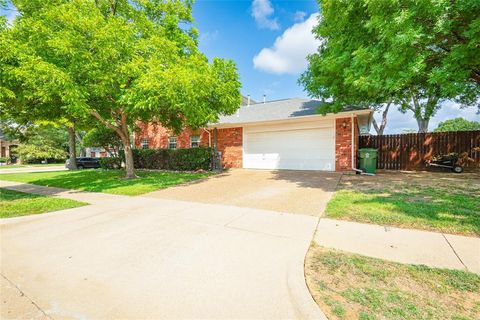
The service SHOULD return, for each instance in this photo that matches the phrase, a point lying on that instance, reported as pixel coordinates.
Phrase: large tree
(118, 61)
(378, 51)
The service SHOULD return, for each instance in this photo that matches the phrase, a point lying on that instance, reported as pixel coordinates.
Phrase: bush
(178, 159)
(3, 159)
(111, 163)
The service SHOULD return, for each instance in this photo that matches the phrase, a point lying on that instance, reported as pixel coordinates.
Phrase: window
(194, 141)
(145, 144)
(172, 143)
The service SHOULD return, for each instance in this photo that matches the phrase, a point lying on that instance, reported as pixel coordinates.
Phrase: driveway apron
(150, 258)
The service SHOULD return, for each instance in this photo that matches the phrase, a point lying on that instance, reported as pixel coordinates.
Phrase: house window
(194, 141)
(172, 143)
(145, 144)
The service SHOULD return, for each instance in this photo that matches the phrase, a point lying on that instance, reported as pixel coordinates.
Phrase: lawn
(105, 181)
(444, 202)
(15, 204)
(349, 286)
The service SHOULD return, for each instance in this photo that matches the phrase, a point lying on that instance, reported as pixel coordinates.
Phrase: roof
(245, 101)
(274, 110)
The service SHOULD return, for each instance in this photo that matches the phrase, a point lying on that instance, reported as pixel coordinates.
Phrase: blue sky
(269, 40)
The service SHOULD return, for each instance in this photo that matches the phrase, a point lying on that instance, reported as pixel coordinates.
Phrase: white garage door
(290, 148)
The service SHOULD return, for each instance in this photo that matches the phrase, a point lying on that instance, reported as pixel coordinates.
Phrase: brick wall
(157, 136)
(229, 140)
(230, 143)
(343, 142)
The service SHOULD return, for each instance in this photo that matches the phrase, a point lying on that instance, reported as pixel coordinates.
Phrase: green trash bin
(368, 160)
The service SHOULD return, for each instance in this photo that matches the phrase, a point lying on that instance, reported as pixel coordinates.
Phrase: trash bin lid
(368, 150)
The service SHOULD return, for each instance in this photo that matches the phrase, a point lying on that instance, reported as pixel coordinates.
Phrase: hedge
(111, 163)
(173, 159)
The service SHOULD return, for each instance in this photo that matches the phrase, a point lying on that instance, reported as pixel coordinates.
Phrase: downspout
(353, 150)
(353, 142)
(209, 137)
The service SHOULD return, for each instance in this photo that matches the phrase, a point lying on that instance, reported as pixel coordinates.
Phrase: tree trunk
(72, 152)
(122, 130)
(127, 148)
(383, 124)
(422, 125)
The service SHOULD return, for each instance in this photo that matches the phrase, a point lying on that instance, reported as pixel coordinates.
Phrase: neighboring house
(283, 134)
(7, 147)
(95, 152)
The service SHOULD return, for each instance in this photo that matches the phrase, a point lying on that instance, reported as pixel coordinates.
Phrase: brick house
(283, 134)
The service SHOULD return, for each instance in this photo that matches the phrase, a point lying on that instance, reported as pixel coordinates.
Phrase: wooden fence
(410, 151)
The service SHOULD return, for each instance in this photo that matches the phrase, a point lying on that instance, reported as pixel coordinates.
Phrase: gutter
(209, 137)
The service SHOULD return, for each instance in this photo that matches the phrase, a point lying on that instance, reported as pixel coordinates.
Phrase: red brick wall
(230, 144)
(158, 136)
(343, 144)
(229, 140)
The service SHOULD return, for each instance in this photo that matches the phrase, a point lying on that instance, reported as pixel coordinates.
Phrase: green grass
(357, 287)
(105, 181)
(16, 204)
(451, 209)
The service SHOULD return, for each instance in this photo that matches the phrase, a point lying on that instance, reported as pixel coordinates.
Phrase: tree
(105, 138)
(41, 142)
(457, 124)
(378, 51)
(119, 61)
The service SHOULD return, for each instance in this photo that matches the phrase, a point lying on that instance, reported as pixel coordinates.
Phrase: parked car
(84, 163)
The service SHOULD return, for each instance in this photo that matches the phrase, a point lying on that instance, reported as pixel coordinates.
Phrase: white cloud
(262, 10)
(289, 52)
(299, 16)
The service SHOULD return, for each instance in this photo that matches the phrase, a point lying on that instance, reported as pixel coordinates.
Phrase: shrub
(3, 159)
(179, 159)
(111, 163)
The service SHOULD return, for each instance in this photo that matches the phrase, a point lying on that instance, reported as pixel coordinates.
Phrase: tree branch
(108, 124)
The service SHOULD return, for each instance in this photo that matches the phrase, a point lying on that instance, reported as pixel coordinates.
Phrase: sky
(269, 41)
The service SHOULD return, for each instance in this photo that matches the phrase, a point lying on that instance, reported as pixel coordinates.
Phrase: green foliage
(30, 153)
(103, 137)
(178, 159)
(414, 53)
(116, 61)
(109, 163)
(3, 159)
(457, 124)
(41, 142)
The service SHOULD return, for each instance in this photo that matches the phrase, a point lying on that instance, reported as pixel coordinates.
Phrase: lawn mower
(448, 161)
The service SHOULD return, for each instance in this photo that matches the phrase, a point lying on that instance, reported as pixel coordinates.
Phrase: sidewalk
(32, 169)
(401, 245)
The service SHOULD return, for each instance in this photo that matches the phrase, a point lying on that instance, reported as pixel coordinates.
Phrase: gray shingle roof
(273, 110)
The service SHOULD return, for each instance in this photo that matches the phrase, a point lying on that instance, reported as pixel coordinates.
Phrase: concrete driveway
(148, 258)
(301, 192)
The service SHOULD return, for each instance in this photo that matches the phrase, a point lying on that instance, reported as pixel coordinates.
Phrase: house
(7, 147)
(95, 152)
(282, 134)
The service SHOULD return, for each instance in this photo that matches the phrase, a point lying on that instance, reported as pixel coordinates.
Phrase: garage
(304, 146)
